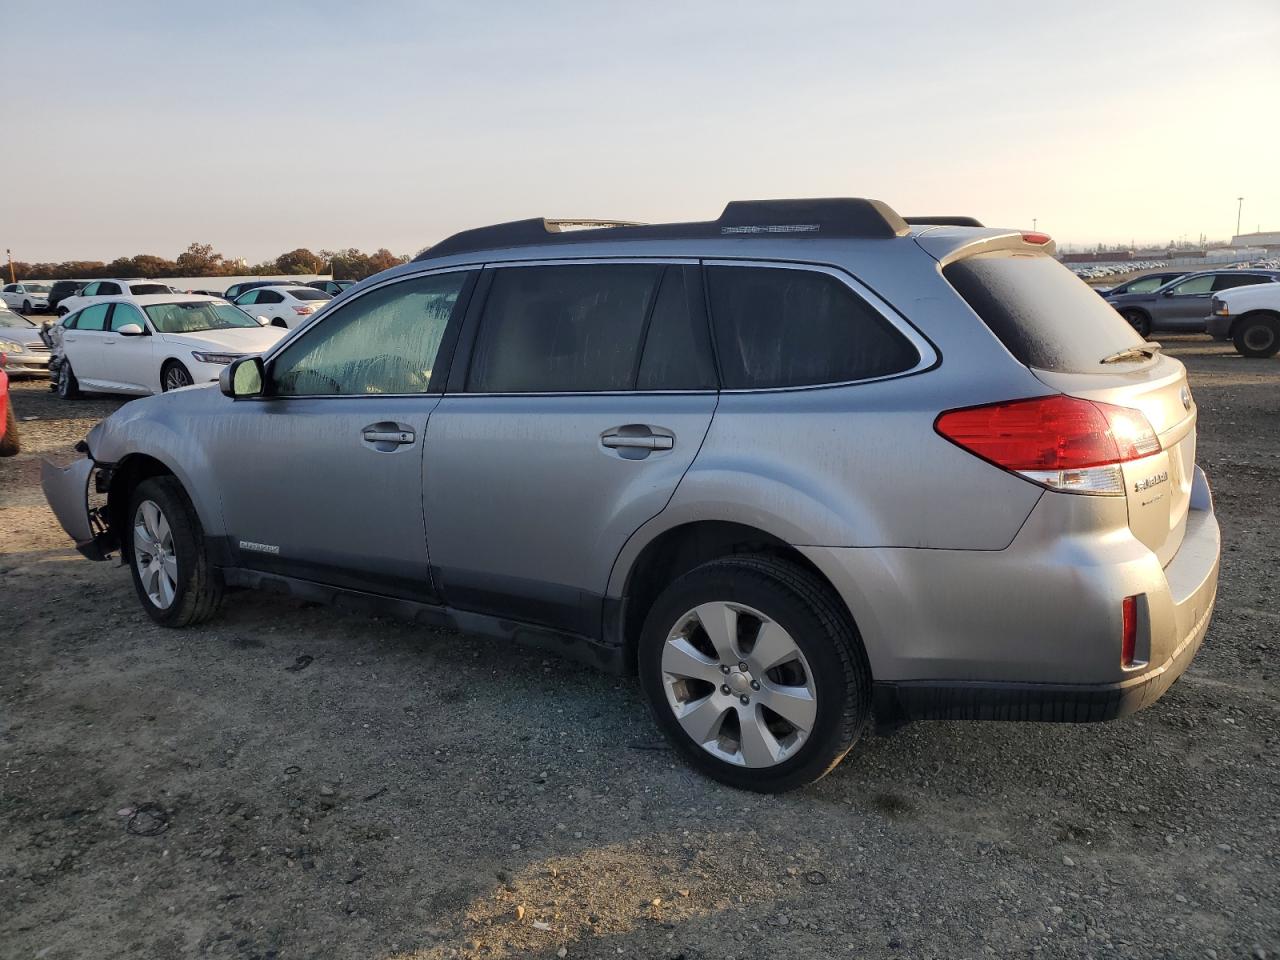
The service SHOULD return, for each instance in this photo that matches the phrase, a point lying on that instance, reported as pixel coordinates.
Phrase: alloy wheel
(153, 554)
(738, 684)
(175, 377)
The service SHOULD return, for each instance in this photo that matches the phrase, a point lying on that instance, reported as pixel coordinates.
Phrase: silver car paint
(951, 567)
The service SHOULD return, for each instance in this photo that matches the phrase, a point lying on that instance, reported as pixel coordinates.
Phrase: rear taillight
(1128, 630)
(1039, 239)
(1060, 442)
(304, 311)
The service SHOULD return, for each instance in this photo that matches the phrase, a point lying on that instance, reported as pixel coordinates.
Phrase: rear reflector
(1059, 442)
(1129, 630)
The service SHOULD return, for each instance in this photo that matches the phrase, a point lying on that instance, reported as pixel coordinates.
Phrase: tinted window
(385, 342)
(779, 327)
(108, 289)
(142, 289)
(126, 313)
(563, 329)
(94, 317)
(269, 296)
(677, 350)
(1045, 316)
(10, 288)
(309, 294)
(1196, 285)
(1228, 280)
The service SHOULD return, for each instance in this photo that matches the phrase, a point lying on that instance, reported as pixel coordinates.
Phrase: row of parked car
(64, 296)
(1100, 271)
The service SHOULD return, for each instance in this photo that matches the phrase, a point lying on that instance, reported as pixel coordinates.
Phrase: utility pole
(9, 253)
(1033, 223)
(1239, 209)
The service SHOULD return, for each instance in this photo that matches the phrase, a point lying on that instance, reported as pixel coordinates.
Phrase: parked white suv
(27, 297)
(1248, 316)
(101, 289)
(282, 306)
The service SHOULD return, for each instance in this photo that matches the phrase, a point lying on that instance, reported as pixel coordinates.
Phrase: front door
(1185, 304)
(589, 391)
(128, 360)
(322, 478)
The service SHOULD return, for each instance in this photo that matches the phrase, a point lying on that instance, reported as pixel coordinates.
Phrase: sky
(261, 127)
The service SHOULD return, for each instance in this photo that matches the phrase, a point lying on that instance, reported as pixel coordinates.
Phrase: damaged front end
(69, 495)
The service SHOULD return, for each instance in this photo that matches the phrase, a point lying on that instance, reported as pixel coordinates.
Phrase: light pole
(1033, 223)
(1239, 208)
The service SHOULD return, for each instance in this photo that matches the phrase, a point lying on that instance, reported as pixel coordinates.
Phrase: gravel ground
(289, 781)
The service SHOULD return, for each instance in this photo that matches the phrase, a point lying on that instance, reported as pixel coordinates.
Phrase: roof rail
(943, 221)
(850, 217)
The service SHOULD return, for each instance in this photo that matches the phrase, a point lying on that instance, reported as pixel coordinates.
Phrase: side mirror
(266, 322)
(243, 378)
(131, 330)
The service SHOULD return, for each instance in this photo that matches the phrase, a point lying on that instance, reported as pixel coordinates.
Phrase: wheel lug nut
(724, 668)
(742, 666)
(755, 684)
(725, 690)
(745, 699)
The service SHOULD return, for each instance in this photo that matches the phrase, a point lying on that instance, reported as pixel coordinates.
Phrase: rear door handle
(657, 442)
(388, 436)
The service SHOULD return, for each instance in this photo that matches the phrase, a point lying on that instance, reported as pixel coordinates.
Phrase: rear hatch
(1076, 344)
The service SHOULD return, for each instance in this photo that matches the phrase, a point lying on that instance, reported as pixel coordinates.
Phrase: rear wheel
(754, 673)
(9, 444)
(174, 375)
(1139, 321)
(1257, 336)
(68, 385)
(164, 544)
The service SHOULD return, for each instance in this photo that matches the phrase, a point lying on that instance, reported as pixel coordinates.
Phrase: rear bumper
(1031, 632)
(1218, 327)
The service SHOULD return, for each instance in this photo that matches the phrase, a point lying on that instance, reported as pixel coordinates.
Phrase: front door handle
(655, 442)
(388, 436)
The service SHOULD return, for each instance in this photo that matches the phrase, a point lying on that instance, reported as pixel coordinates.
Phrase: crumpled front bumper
(67, 490)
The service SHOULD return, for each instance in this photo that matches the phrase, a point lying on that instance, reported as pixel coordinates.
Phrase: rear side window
(93, 318)
(789, 327)
(1226, 281)
(1043, 314)
(563, 329)
(108, 289)
(269, 296)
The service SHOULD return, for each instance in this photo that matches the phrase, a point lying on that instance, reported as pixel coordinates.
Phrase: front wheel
(9, 445)
(755, 674)
(174, 376)
(68, 385)
(1139, 321)
(26, 307)
(164, 545)
(1257, 336)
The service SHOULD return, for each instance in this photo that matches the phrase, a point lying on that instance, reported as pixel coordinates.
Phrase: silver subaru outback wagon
(803, 467)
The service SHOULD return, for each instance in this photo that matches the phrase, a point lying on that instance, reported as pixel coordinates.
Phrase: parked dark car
(1143, 284)
(1183, 304)
(62, 289)
(332, 287)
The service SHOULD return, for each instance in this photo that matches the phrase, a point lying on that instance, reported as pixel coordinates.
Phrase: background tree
(301, 260)
(199, 260)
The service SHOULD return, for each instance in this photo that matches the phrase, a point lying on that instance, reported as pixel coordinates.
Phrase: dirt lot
(289, 781)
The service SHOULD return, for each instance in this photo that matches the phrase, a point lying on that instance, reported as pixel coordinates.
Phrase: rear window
(1043, 314)
(308, 293)
(143, 289)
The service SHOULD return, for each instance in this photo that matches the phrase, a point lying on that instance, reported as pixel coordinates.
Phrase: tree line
(201, 260)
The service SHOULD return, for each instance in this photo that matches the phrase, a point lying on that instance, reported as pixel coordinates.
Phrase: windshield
(10, 319)
(195, 317)
(308, 293)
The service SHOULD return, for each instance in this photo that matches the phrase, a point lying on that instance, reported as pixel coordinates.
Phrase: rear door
(270, 304)
(85, 346)
(1063, 331)
(589, 390)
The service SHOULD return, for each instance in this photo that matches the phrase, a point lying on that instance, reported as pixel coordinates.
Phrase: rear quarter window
(1044, 315)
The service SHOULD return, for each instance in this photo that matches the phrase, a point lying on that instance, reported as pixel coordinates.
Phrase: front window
(196, 317)
(1144, 285)
(1193, 287)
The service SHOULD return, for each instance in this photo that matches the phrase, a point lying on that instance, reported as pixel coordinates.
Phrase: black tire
(1257, 335)
(198, 587)
(174, 375)
(9, 444)
(26, 307)
(68, 385)
(1139, 320)
(819, 625)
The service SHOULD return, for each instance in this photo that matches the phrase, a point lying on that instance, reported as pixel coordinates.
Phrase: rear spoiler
(943, 221)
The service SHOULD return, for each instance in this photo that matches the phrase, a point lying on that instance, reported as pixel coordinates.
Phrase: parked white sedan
(150, 344)
(284, 305)
(96, 291)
